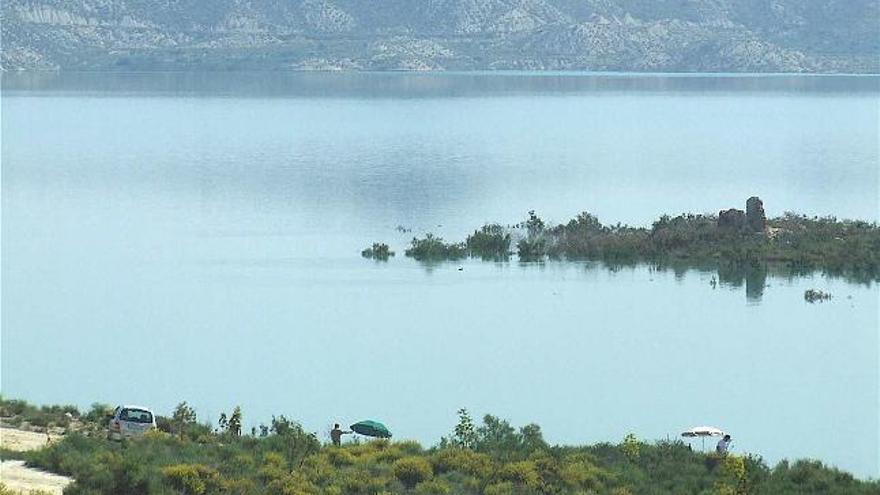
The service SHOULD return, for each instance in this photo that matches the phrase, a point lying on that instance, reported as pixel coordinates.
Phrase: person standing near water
(723, 445)
(336, 435)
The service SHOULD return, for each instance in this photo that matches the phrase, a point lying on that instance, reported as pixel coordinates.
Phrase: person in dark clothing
(336, 434)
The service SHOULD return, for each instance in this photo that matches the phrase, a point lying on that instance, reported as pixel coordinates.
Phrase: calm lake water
(170, 237)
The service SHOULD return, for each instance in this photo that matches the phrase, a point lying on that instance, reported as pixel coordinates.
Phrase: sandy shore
(20, 478)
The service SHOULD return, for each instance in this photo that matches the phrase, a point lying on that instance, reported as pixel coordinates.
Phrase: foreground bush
(492, 457)
(412, 471)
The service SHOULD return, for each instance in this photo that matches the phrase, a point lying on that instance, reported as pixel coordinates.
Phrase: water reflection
(753, 276)
(421, 85)
(217, 225)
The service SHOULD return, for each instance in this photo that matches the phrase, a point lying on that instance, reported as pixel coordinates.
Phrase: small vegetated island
(733, 238)
(186, 456)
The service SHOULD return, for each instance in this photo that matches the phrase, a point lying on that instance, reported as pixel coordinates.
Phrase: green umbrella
(371, 429)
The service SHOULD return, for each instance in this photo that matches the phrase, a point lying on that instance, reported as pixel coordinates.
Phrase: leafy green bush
(501, 488)
(17, 412)
(435, 249)
(378, 251)
(523, 473)
(491, 242)
(532, 249)
(631, 447)
(193, 479)
(433, 487)
(845, 248)
(503, 460)
(462, 460)
(412, 470)
(340, 457)
(4, 490)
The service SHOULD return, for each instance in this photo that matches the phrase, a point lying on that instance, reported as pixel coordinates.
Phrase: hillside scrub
(19, 413)
(492, 457)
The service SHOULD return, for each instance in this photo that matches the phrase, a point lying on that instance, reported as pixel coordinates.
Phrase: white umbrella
(703, 432)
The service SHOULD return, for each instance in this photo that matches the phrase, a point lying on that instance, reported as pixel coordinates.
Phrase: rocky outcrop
(635, 35)
(325, 17)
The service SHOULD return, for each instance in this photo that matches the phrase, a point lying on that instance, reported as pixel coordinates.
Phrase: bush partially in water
(432, 248)
(838, 247)
(378, 251)
(531, 249)
(815, 295)
(491, 242)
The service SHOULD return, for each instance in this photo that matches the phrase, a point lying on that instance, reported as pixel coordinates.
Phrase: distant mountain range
(601, 35)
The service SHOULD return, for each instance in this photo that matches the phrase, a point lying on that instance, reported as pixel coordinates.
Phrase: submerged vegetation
(815, 295)
(378, 251)
(432, 248)
(848, 248)
(491, 242)
(490, 458)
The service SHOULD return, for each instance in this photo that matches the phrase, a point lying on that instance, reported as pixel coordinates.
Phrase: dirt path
(22, 441)
(20, 478)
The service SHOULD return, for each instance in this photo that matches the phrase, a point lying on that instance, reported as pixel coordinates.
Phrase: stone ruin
(756, 220)
(751, 220)
(732, 219)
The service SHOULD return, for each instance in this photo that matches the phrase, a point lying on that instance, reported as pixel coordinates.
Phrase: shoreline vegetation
(731, 241)
(185, 456)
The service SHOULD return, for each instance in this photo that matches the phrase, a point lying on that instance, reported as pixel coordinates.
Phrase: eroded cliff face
(636, 35)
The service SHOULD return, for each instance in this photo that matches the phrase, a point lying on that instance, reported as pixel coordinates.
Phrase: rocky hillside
(619, 35)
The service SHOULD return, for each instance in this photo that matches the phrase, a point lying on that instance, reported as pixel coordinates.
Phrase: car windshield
(136, 416)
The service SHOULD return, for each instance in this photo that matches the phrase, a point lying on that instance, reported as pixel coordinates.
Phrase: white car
(130, 421)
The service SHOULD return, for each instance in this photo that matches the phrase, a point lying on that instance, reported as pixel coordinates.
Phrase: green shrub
(531, 249)
(491, 242)
(579, 472)
(378, 251)
(339, 456)
(5, 490)
(508, 460)
(462, 460)
(502, 488)
(523, 473)
(408, 447)
(99, 413)
(837, 247)
(412, 471)
(193, 479)
(292, 484)
(274, 466)
(434, 249)
(433, 487)
(631, 447)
